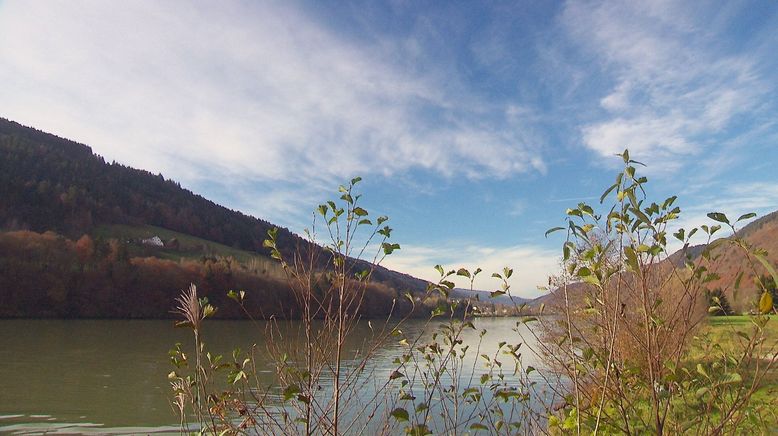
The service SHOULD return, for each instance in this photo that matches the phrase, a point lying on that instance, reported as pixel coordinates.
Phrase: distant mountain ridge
(48, 183)
(762, 233)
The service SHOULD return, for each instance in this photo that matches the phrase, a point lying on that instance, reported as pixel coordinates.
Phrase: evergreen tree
(718, 300)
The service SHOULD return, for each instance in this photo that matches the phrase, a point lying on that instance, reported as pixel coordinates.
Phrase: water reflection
(103, 374)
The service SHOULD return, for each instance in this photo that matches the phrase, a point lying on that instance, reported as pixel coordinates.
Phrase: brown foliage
(48, 275)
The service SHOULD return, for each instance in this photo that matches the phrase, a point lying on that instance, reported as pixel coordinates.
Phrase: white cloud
(673, 87)
(531, 265)
(228, 92)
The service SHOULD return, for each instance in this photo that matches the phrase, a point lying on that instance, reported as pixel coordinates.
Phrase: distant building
(154, 241)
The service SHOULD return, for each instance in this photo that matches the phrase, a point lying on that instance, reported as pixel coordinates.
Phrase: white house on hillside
(154, 241)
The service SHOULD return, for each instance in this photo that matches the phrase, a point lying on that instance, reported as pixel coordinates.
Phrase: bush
(616, 347)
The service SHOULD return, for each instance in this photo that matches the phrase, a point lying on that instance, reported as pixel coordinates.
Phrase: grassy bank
(728, 334)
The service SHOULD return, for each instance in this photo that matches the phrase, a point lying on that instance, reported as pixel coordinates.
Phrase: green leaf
(463, 272)
(356, 180)
(639, 214)
(478, 426)
(632, 259)
(418, 430)
(738, 279)
(448, 284)
(290, 392)
(761, 257)
(632, 199)
(731, 378)
(208, 310)
(592, 280)
(718, 216)
(746, 216)
(358, 211)
(608, 191)
(701, 370)
(389, 248)
(237, 296)
(765, 303)
(552, 230)
(400, 414)
(566, 250)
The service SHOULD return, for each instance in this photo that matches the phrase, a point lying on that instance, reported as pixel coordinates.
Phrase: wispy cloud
(673, 88)
(267, 106)
(235, 92)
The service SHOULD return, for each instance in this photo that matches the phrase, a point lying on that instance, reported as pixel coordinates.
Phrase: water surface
(111, 375)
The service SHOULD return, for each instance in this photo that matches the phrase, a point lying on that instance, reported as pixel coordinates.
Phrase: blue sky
(474, 124)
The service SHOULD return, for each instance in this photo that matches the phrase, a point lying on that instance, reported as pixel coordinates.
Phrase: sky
(474, 125)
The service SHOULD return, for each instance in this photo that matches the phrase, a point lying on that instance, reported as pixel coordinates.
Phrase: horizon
(473, 127)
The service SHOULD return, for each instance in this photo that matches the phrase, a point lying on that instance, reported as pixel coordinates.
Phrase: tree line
(49, 275)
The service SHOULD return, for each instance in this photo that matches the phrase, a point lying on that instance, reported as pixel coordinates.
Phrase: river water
(110, 376)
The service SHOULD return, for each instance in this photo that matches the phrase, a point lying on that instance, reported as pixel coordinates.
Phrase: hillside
(762, 233)
(728, 262)
(485, 297)
(53, 189)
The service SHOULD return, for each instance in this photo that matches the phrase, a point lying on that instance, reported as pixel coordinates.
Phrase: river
(110, 376)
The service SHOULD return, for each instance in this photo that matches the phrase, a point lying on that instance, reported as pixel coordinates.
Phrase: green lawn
(724, 331)
(190, 247)
(716, 321)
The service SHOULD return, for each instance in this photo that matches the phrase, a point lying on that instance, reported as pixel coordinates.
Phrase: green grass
(190, 247)
(723, 330)
(716, 321)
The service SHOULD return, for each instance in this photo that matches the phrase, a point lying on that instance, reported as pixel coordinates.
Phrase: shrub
(618, 346)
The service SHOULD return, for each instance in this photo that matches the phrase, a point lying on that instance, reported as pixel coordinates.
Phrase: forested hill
(51, 183)
(48, 183)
